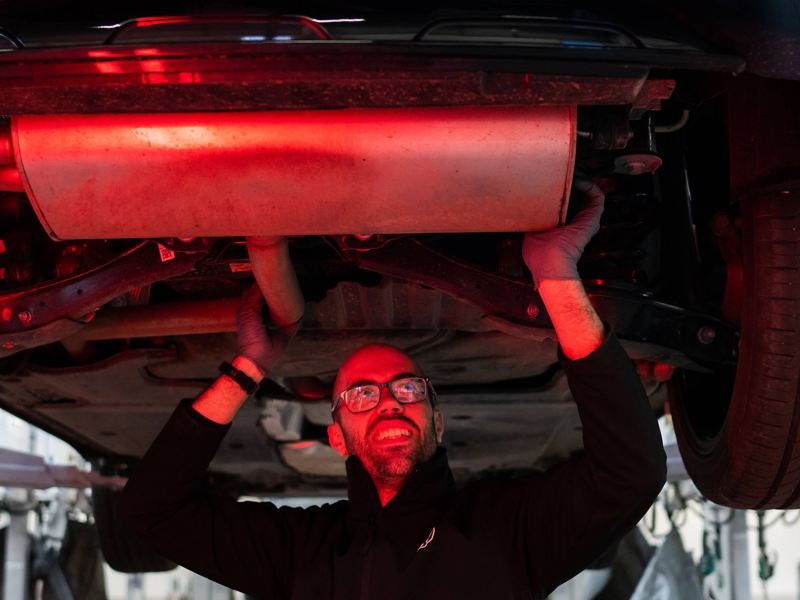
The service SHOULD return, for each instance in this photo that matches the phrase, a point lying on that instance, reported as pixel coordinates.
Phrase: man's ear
(438, 425)
(336, 439)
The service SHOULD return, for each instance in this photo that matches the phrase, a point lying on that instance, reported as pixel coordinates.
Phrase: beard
(395, 462)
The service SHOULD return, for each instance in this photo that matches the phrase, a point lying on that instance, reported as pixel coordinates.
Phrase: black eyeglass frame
(386, 384)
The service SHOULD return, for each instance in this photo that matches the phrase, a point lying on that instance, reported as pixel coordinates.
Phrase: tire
(122, 551)
(738, 435)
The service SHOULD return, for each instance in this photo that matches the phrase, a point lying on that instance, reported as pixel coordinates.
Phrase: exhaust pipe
(160, 320)
(325, 172)
(272, 267)
(273, 271)
(269, 258)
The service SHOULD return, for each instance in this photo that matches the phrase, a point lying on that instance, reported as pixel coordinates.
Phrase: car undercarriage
(377, 183)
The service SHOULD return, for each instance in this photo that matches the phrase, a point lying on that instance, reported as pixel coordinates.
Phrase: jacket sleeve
(166, 503)
(576, 510)
(553, 525)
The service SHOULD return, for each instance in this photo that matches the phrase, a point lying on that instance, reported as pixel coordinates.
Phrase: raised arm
(578, 327)
(574, 511)
(167, 503)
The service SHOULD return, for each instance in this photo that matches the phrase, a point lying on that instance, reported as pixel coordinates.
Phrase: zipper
(366, 551)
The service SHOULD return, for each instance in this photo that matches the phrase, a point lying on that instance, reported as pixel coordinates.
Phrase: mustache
(379, 420)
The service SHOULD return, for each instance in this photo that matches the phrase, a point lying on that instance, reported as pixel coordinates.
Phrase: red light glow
(185, 77)
(152, 66)
(301, 445)
(108, 68)
(160, 21)
(156, 21)
(5, 314)
(105, 67)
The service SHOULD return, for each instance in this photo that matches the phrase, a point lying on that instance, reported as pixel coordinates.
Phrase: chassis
(693, 268)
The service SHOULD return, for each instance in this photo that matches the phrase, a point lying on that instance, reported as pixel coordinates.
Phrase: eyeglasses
(406, 390)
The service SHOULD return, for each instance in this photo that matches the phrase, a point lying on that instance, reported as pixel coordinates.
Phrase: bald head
(374, 363)
(391, 437)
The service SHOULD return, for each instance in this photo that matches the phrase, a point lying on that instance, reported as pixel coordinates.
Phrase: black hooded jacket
(496, 538)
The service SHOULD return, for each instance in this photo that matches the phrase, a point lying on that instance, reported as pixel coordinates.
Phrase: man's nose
(389, 403)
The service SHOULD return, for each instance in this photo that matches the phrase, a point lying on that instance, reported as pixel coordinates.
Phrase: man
(406, 531)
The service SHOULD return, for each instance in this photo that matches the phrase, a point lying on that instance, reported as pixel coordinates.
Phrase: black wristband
(242, 379)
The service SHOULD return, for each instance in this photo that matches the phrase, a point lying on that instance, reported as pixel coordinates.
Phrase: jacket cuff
(185, 410)
(609, 341)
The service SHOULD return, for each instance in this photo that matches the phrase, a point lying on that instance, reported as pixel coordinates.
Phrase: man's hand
(258, 350)
(554, 254)
(256, 344)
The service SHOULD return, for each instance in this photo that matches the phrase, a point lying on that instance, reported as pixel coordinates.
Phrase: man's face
(392, 438)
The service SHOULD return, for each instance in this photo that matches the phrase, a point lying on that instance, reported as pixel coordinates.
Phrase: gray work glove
(262, 347)
(554, 254)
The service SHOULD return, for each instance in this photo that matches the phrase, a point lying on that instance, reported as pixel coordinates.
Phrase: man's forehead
(375, 362)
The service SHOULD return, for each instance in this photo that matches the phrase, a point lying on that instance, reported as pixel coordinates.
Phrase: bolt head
(706, 334)
(25, 317)
(533, 311)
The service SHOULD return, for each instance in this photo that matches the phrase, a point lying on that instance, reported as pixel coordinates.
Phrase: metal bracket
(701, 338)
(49, 311)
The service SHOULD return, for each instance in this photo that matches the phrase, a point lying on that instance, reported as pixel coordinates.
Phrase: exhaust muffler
(388, 171)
